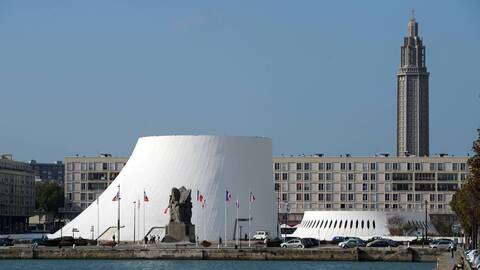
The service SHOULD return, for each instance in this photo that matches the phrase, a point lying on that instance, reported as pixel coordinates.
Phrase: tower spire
(412, 26)
(412, 18)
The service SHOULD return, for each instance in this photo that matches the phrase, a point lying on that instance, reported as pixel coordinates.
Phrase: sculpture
(180, 205)
(180, 227)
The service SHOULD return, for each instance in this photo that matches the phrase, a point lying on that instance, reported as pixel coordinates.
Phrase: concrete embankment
(320, 254)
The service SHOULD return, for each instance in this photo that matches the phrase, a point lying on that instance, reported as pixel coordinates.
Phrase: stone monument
(180, 227)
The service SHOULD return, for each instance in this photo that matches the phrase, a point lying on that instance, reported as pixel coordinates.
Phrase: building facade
(17, 195)
(412, 96)
(48, 171)
(308, 183)
(86, 178)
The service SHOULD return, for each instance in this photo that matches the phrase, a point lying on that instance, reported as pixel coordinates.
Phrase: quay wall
(322, 254)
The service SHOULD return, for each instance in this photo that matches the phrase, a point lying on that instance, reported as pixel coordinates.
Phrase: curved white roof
(325, 225)
(210, 164)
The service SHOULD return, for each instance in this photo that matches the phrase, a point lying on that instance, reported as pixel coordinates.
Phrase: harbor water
(205, 265)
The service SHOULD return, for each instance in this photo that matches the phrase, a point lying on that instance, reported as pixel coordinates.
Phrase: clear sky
(90, 77)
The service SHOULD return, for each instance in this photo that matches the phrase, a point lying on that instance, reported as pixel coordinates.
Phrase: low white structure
(210, 164)
(324, 225)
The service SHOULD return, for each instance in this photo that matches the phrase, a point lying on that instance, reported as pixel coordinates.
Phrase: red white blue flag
(117, 197)
(228, 196)
(145, 198)
(252, 197)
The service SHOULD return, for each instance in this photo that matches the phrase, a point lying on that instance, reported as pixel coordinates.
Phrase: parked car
(261, 235)
(337, 239)
(420, 241)
(4, 242)
(442, 244)
(470, 255)
(350, 243)
(374, 238)
(383, 243)
(295, 243)
(310, 242)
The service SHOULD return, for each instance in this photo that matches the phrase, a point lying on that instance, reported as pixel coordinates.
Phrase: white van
(261, 235)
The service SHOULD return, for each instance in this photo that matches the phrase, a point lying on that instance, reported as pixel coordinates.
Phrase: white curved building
(210, 164)
(324, 225)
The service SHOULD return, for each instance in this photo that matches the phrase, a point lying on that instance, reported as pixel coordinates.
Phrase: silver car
(295, 243)
(442, 244)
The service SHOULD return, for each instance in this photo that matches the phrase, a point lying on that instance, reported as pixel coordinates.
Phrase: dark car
(420, 241)
(383, 243)
(4, 242)
(310, 242)
(337, 239)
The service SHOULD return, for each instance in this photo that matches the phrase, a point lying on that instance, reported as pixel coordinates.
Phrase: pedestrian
(220, 240)
(113, 238)
(145, 239)
(246, 237)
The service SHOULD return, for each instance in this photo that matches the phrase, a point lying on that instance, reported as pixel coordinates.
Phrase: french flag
(201, 198)
(228, 196)
(145, 198)
(165, 211)
(252, 197)
(117, 197)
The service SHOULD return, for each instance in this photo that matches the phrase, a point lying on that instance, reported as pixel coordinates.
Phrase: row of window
(93, 176)
(372, 176)
(94, 166)
(365, 197)
(373, 166)
(372, 187)
(373, 206)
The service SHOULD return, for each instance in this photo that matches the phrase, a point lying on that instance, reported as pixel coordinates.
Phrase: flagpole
(236, 223)
(138, 221)
(225, 239)
(144, 205)
(134, 219)
(98, 218)
(249, 215)
(118, 219)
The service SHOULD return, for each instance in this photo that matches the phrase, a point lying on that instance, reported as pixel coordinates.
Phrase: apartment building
(86, 178)
(381, 183)
(17, 195)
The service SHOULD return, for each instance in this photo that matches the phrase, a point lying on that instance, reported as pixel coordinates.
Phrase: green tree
(466, 201)
(49, 197)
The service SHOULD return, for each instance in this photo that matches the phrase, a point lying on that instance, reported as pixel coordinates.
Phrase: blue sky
(89, 77)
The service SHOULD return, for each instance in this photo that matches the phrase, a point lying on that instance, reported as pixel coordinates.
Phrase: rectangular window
(365, 176)
(418, 197)
(373, 177)
(463, 166)
(365, 187)
(350, 197)
(306, 186)
(365, 197)
(387, 177)
(306, 166)
(350, 187)
(306, 197)
(418, 167)
(396, 166)
(284, 197)
(299, 196)
(329, 166)
(329, 187)
(299, 176)
(321, 166)
(299, 187)
(343, 197)
(387, 197)
(306, 177)
(373, 166)
(328, 176)
(285, 176)
(351, 177)
(432, 166)
(395, 197)
(277, 187)
(329, 197)
(299, 166)
(455, 166)
(343, 166)
(432, 197)
(277, 167)
(320, 197)
(373, 187)
(409, 197)
(388, 166)
(441, 166)
(320, 186)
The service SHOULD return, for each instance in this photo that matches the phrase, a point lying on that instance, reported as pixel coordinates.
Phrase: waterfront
(204, 265)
